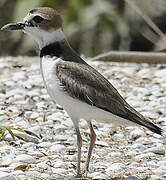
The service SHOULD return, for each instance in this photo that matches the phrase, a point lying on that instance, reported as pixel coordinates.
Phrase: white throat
(43, 37)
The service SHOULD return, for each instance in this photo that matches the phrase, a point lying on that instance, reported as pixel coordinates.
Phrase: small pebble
(115, 167)
(57, 148)
(135, 134)
(6, 176)
(31, 115)
(25, 158)
(132, 178)
(42, 165)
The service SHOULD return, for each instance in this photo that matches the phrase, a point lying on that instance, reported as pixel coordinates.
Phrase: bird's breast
(57, 92)
(51, 81)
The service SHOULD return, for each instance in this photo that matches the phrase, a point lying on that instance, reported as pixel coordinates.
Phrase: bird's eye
(38, 19)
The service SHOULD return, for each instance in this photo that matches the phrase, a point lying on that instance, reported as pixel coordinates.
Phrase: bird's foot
(85, 173)
(79, 175)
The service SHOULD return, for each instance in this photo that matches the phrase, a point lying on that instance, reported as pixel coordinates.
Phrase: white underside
(76, 109)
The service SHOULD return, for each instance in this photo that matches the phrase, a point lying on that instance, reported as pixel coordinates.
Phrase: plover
(81, 90)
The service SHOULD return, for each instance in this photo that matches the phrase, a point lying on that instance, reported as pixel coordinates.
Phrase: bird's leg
(92, 144)
(79, 144)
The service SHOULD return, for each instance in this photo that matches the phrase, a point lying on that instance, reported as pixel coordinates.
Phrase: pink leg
(92, 144)
(79, 144)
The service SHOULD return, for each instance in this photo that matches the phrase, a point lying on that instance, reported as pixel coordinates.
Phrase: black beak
(13, 26)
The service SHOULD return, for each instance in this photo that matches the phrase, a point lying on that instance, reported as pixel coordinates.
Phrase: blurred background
(92, 26)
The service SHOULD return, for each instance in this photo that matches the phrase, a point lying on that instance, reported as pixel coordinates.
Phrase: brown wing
(84, 83)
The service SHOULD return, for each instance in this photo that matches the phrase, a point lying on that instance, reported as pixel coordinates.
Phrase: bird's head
(43, 24)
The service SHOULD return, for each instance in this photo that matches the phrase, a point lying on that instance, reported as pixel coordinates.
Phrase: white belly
(75, 108)
(48, 70)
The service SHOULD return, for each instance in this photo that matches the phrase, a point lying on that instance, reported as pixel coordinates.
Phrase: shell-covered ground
(46, 149)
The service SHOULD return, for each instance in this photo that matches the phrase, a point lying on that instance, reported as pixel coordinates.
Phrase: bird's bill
(13, 26)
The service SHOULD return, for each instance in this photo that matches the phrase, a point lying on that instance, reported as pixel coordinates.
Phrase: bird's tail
(141, 120)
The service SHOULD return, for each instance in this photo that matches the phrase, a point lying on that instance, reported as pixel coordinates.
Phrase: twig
(147, 19)
(139, 57)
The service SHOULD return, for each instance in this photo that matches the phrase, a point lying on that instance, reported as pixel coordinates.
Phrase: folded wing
(84, 83)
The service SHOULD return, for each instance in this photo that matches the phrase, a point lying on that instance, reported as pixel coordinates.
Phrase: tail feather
(138, 118)
(152, 127)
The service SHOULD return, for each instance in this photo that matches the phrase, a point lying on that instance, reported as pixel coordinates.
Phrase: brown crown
(53, 17)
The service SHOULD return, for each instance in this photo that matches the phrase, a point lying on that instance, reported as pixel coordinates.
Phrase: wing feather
(84, 83)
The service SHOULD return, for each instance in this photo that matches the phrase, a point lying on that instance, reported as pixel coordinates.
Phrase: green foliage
(50, 3)
(123, 178)
(4, 129)
(24, 6)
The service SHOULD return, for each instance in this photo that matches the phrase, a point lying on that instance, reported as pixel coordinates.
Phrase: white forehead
(30, 16)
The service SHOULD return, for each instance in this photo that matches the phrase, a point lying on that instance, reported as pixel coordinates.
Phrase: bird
(71, 82)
